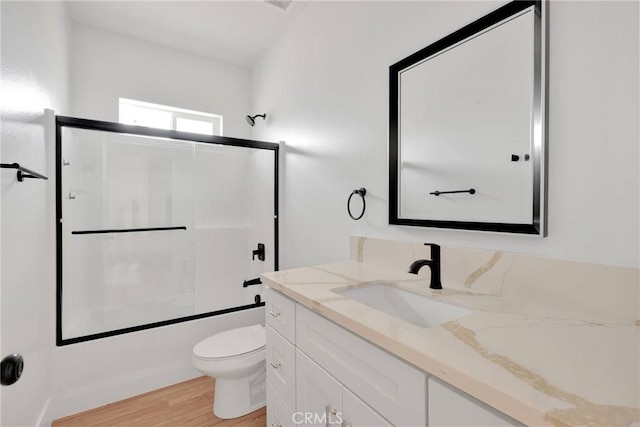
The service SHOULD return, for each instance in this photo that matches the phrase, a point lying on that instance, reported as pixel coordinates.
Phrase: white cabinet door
(451, 407)
(318, 394)
(394, 388)
(356, 413)
(279, 414)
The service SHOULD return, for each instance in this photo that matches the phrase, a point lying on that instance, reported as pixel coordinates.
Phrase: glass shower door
(234, 213)
(127, 231)
(157, 227)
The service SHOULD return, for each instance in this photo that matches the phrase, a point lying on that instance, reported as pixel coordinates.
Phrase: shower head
(252, 119)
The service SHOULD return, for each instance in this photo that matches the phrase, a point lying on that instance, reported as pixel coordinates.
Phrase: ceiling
(238, 32)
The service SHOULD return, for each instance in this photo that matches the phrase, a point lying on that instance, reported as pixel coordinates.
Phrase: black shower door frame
(96, 125)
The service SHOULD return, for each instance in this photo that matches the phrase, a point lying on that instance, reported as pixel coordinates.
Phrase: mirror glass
(466, 129)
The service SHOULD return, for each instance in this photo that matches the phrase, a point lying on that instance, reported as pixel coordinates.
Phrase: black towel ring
(360, 192)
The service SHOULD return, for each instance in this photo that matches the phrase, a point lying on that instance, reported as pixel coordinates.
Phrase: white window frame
(175, 112)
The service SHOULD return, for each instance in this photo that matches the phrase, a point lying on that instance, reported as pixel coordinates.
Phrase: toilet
(236, 359)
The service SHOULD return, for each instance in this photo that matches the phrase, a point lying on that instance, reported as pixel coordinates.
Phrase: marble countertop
(542, 363)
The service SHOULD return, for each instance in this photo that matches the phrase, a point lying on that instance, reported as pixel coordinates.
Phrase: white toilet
(236, 359)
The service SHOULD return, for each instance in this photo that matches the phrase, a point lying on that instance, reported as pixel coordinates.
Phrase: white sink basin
(414, 308)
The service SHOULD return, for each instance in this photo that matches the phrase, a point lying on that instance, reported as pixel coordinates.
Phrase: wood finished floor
(184, 404)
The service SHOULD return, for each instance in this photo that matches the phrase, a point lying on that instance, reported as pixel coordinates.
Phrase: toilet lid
(234, 342)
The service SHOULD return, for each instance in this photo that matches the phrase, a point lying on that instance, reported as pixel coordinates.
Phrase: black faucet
(433, 263)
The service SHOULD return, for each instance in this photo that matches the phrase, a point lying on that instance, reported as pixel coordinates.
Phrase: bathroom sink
(414, 308)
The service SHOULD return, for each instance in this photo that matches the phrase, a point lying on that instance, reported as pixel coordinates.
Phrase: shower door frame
(96, 125)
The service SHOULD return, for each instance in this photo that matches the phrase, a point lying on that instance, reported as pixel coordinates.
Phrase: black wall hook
(360, 192)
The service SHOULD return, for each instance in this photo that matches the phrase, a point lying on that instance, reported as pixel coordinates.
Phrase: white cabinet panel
(319, 395)
(280, 314)
(450, 407)
(394, 388)
(281, 366)
(356, 413)
(279, 414)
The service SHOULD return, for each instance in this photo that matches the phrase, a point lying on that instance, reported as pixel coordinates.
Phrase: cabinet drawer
(394, 388)
(281, 366)
(281, 314)
(279, 414)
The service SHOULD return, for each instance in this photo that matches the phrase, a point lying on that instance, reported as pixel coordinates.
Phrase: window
(164, 117)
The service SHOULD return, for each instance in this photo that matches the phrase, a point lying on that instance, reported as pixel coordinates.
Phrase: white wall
(106, 66)
(324, 86)
(34, 77)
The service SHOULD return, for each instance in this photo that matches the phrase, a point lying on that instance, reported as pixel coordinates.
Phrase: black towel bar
(128, 230)
(470, 191)
(22, 171)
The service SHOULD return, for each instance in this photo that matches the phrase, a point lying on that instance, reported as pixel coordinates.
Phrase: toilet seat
(231, 344)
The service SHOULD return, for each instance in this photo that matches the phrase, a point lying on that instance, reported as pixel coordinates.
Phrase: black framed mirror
(467, 132)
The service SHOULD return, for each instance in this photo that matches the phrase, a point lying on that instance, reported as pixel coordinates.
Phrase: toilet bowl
(236, 359)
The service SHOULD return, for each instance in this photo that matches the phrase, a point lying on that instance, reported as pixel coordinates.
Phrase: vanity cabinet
(450, 407)
(319, 371)
(325, 401)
